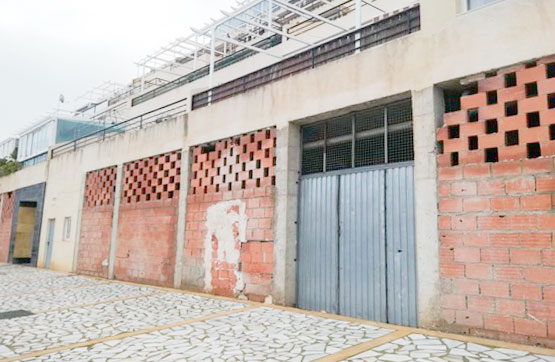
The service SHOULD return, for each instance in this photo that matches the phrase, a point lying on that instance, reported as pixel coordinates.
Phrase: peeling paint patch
(226, 224)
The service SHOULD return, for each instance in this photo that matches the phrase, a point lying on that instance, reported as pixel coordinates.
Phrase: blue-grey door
(362, 262)
(318, 250)
(356, 252)
(49, 242)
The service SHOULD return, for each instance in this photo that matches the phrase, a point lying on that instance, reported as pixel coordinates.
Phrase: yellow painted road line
(363, 347)
(124, 335)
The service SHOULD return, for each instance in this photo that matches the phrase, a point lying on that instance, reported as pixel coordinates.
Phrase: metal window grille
(375, 136)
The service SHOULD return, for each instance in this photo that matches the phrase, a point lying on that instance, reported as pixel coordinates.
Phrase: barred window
(375, 136)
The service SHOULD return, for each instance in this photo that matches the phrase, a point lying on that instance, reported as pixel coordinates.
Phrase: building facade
(401, 171)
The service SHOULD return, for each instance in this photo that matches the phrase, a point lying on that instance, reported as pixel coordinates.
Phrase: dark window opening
(551, 101)
(533, 119)
(511, 138)
(492, 154)
(511, 108)
(534, 150)
(473, 115)
(530, 64)
(552, 132)
(453, 131)
(454, 158)
(452, 100)
(473, 142)
(491, 126)
(492, 97)
(531, 89)
(510, 80)
(550, 70)
(440, 147)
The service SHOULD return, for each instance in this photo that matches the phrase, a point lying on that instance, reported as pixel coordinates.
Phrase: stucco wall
(25, 177)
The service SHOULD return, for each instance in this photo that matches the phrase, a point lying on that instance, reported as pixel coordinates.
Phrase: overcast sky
(53, 47)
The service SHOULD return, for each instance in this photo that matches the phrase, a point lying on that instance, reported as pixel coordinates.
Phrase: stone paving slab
(65, 298)
(61, 328)
(417, 347)
(85, 319)
(10, 273)
(261, 334)
(39, 284)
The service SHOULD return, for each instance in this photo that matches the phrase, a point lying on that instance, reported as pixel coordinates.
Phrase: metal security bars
(381, 135)
(392, 27)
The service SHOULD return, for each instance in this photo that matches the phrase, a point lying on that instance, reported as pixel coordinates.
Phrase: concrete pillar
(181, 215)
(285, 215)
(77, 223)
(428, 108)
(115, 218)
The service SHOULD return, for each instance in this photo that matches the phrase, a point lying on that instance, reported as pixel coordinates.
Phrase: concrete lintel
(285, 237)
(115, 219)
(427, 113)
(181, 216)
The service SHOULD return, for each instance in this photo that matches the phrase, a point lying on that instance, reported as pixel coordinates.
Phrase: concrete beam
(428, 108)
(181, 216)
(115, 218)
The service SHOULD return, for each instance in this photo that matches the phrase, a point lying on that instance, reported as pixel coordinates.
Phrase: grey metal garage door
(356, 252)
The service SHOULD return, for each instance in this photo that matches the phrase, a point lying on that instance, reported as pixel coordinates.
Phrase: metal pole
(358, 24)
(386, 131)
(358, 14)
(212, 58)
(143, 79)
(270, 15)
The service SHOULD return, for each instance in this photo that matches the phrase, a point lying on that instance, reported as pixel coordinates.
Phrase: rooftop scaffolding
(251, 23)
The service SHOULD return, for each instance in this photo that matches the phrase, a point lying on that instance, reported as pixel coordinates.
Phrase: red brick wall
(6, 226)
(496, 218)
(147, 220)
(230, 208)
(96, 222)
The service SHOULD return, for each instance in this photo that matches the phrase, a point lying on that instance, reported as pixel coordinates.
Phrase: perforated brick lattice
(152, 178)
(100, 187)
(236, 163)
(510, 117)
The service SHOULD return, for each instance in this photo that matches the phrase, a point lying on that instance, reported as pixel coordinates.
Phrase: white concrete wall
(26, 177)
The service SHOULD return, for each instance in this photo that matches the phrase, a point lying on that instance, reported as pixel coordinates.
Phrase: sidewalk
(50, 316)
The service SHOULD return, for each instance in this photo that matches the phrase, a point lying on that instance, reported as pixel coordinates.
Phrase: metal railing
(203, 72)
(382, 31)
(144, 120)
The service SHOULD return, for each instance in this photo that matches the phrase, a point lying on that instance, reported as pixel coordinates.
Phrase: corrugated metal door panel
(318, 244)
(362, 280)
(401, 274)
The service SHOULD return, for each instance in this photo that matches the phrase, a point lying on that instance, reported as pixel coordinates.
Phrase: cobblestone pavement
(75, 318)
